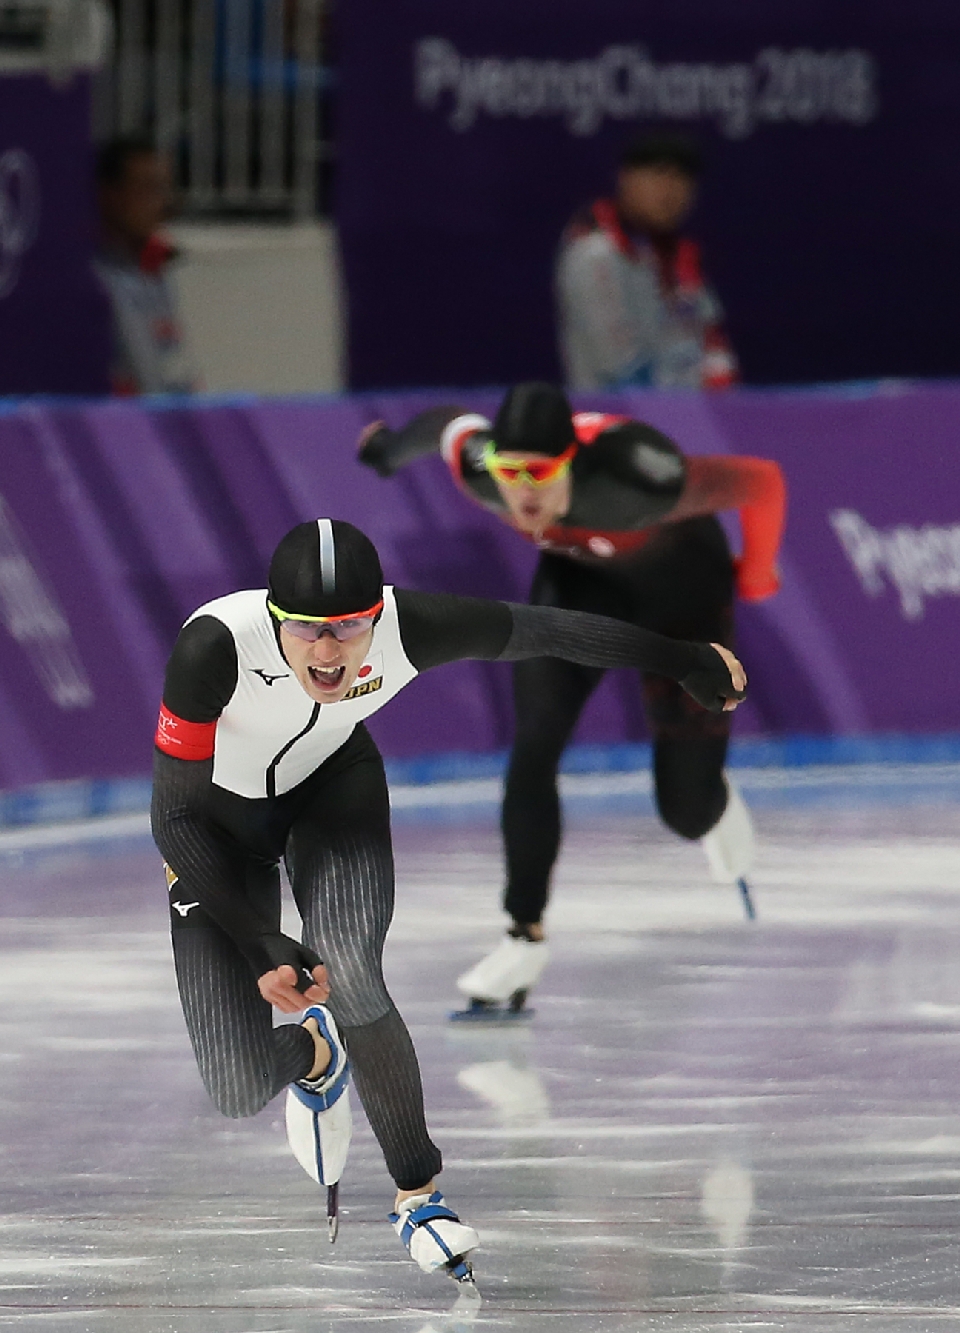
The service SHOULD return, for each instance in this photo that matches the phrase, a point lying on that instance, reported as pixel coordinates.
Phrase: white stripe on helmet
(328, 556)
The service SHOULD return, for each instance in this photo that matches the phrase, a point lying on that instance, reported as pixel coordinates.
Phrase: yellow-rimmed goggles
(342, 628)
(536, 471)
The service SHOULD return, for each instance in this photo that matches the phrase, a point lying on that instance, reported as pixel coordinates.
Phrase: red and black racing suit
(640, 543)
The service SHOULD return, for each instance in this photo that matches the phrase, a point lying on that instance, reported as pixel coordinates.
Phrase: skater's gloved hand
(298, 977)
(718, 682)
(373, 446)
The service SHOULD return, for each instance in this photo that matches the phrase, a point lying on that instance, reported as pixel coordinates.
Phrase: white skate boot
(435, 1236)
(497, 986)
(730, 845)
(319, 1123)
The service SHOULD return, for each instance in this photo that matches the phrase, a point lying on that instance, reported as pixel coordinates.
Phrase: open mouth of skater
(326, 654)
(327, 678)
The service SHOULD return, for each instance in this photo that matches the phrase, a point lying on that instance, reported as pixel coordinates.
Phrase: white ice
(709, 1124)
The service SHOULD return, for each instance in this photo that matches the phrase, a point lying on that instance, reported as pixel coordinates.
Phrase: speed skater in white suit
(262, 756)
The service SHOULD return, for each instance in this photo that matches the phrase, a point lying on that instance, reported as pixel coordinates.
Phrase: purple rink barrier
(118, 519)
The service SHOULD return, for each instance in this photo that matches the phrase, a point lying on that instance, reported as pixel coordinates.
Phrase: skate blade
(468, 1300)
(333, 1213)
(749, 910)
(482, 1012)
(466, 1283)
(492, 1011)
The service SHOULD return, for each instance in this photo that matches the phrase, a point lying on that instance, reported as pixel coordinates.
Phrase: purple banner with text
(118, 519)
(469, 134)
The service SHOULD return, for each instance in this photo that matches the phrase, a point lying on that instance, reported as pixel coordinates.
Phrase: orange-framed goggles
(342, 628)
(537, 471)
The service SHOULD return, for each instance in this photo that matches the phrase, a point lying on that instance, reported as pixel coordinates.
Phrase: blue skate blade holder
(484, 1011)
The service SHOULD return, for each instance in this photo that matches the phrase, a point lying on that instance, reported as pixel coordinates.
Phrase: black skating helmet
(534, 418)
(325, 568)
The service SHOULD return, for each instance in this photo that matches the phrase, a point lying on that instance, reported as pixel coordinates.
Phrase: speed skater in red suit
(627, 527)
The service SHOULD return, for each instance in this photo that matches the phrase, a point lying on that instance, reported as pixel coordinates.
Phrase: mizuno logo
(184, 908)
(267, 679)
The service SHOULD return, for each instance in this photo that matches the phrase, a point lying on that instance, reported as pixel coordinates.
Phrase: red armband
(182, 739)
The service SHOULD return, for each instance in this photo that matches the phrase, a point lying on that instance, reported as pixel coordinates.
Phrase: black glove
(710, 682)
(375, 452)
(272, 951)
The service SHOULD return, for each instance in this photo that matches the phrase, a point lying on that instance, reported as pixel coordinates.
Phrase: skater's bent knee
(358, 998)
(239, 1103)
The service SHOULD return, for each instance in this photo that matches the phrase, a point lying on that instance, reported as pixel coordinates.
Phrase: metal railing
(236, 91)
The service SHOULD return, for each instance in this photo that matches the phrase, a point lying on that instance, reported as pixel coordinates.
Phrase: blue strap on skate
(422, 1217)
(429, 1212)
(322, 1101)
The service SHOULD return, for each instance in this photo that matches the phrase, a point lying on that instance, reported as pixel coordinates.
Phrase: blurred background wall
(828, 212)
(370, 195)
(262, 305)
(54, 320)
(442, 148)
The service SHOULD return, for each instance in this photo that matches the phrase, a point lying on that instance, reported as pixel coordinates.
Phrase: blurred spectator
(135, 196)
(634, 307)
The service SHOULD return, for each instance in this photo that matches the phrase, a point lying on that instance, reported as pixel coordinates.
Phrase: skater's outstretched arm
(755, 487)
(200, 680)
(438, 628)
(459, 436)
(386, 450)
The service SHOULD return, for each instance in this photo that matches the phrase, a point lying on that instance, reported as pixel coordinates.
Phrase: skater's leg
(689, 752)
(341, 868)
(387, 1077)
(694, 600)
(549, 696)
(243, 1060)
(689, 595)
(694, 796)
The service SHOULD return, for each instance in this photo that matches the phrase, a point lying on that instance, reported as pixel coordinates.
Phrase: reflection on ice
(461, 1315)
(515, 1092)
(727, 1202)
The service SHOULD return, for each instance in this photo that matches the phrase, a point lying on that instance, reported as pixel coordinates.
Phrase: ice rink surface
(709, 1125)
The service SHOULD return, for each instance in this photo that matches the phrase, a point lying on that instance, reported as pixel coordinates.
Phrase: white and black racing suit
(250, 771)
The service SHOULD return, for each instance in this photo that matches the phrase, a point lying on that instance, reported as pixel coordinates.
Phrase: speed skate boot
(496, 987)
(435, 1236)
(730, 847)
(319, 1123)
